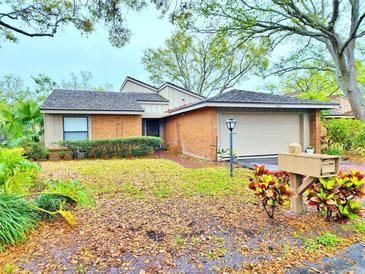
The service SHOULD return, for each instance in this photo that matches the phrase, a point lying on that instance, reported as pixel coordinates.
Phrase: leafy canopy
(315, 27)
(37, 18)
(205, 64)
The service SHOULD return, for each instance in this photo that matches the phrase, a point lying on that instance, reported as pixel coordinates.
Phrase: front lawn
(157, 216)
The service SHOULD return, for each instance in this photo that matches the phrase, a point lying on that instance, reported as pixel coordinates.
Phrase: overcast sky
(70, 52)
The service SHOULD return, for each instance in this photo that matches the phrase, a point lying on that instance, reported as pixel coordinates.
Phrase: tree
(83, 82)
(206, 65)
(37, 18)
(12, 89)
(335, 27)
(44, 85)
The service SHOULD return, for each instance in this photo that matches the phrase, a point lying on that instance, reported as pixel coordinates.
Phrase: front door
(153, 128)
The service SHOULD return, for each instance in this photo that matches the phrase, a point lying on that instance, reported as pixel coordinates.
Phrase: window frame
(74, 116)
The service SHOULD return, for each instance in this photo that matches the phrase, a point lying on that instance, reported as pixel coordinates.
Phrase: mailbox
(312, 165)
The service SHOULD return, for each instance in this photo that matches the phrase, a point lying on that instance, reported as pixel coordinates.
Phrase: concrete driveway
(271, 163)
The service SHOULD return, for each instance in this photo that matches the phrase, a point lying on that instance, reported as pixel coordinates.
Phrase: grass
(326, 240)
(216, 253)
(159, 178)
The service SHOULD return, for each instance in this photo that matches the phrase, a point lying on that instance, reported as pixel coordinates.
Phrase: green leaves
(72, 189)
(16, 219)
(119, 147)
(16, 173)
(205, 64)
(271, 187)
(339, 197)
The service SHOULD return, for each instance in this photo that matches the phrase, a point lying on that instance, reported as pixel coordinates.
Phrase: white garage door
(261, 134)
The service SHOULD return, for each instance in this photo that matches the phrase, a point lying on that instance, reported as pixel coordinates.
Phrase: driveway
(271, 163)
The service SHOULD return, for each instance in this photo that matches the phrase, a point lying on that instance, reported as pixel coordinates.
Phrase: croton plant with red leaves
(271, 187)
(339, 198)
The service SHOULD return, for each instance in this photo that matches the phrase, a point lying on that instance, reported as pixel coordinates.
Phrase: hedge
(344, 135)
(108, 148)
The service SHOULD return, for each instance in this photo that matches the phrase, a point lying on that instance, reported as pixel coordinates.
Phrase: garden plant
(272, 188)
(21, 206)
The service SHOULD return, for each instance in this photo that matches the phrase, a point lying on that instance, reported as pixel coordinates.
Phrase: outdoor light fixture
(231, 123)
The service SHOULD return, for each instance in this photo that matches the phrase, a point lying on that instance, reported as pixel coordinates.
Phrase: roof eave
(84, 112)
(254, 105)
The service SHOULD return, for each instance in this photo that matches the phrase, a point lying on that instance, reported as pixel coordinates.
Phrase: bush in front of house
(17, 218)
(108, 148)
(35, 150)
(344, 136)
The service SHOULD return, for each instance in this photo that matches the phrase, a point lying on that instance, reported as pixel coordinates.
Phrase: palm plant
(22, 121)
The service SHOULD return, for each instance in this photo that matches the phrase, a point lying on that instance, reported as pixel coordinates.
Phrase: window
(75, 128)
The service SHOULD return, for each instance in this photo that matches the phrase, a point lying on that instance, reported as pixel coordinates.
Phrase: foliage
(35, 150)
(326, 34)
(71, 189)
(339, 198)
(16, 173)
(121, 147)
(207, 65)
(333, 149)
(45, 18)
(224, 154)
(82, 82)
(51, 203)
(343, 134)
(16, 219)
(61, 154)
(12, 89)
(272, 188)
(21, 121)
(327, 240)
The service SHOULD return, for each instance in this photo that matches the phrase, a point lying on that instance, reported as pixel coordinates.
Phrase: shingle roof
(251, 97)
(244, 96)
(98, 101)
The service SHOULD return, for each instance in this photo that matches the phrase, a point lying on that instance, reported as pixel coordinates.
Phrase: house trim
(58, 111)
(253, 105)
(183, 90)
(138, 82)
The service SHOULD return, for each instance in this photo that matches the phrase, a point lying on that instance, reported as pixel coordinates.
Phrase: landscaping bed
(155, 215)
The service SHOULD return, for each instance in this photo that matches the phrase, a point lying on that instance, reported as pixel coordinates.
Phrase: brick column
(315, 130)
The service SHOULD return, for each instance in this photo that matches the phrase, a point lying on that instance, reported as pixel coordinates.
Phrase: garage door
(259, 134)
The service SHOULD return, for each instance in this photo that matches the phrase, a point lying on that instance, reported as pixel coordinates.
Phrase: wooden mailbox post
(311, 166)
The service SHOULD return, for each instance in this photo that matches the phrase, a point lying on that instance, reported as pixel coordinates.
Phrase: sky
(69, 51)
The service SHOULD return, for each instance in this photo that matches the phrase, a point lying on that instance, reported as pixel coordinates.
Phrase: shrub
(142, 150)
(339, 198)
(271, 187)
(35, 151)
(122, 147)
(61, 154)
(16, 219)
(347, 132)
(16, 173)
(334, 149)
(50, 203)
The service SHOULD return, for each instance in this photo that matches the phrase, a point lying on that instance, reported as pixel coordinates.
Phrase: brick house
(186, 121)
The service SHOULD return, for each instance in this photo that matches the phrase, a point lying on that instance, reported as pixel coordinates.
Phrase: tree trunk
(346, 78)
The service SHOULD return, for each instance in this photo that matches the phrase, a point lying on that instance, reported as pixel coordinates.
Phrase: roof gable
(145, 86)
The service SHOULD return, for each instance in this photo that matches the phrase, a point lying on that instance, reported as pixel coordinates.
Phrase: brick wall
(115, 126)
(315, 130)
(193, 133)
